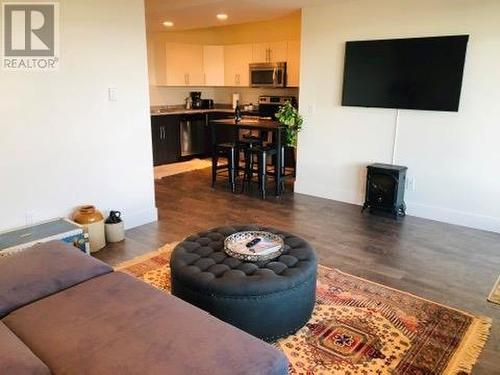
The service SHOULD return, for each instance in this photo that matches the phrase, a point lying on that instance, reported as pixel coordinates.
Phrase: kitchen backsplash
(161, 95)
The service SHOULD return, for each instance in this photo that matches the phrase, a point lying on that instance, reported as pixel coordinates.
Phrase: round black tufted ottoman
(269, 300)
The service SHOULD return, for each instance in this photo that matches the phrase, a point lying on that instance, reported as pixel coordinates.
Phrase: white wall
(454, 157)
(62, 143)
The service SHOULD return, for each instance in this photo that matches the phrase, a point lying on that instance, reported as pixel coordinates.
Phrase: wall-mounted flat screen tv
(415, 73)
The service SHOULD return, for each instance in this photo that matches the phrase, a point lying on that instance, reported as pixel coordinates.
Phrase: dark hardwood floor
(445, 263)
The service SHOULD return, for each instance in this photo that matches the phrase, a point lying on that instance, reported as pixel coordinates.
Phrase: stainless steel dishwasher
(193, 135)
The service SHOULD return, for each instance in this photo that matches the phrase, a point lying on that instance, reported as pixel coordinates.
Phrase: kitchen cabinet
(181, 64)
(165, 137)
(156, 63)
(184, 64)
(293, 63)
(213, 65)
(269, 52)
(237, 58)
(152, 62)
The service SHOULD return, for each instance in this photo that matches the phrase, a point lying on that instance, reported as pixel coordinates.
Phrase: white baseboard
(320, 191)
(446, 215)
(138, 218)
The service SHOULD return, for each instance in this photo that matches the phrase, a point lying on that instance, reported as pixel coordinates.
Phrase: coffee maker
(196, 102)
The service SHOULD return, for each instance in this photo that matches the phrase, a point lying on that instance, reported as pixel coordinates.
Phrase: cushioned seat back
(17, 358)
(43, 270)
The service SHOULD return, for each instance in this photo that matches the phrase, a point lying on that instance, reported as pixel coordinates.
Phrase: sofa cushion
(43, 270)
(116, 324)
(16, 358)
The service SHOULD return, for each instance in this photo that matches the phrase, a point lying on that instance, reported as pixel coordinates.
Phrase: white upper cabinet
(293, 63)
(260, 52)
(181, 64)
(184, 64)
(237, 58)
(213, 65)
(278, 51)
(269, 52)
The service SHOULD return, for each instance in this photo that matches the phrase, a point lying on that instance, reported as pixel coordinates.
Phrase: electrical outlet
(410, 183)
(29, 217)
(310, 109)
(112, 94)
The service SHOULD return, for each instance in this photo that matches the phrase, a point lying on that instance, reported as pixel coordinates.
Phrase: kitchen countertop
(180, 110)
(165, 112)
(250, 123)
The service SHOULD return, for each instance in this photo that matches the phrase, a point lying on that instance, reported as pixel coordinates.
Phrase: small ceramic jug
(114, 227)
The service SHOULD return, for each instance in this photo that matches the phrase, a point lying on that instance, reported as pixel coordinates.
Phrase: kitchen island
(273, 127)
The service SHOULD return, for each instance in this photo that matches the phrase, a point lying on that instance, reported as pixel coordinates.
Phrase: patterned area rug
(360, 327)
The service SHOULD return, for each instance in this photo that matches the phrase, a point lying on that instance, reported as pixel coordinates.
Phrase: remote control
(254, 242)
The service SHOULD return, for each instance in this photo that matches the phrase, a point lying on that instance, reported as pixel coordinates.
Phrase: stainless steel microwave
(268, 74)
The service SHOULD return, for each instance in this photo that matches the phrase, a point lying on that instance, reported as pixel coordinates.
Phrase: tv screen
(416, 73)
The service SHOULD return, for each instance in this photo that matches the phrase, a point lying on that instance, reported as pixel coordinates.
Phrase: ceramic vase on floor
(93, 221)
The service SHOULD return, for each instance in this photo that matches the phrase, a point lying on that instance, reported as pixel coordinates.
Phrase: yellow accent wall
(284, 28)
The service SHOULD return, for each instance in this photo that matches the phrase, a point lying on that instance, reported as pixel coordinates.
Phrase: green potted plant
(289, 116)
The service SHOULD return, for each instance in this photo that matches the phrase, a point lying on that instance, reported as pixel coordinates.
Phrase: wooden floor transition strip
(495, 293)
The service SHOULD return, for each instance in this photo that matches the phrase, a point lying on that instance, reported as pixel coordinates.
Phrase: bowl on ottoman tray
(269, 299)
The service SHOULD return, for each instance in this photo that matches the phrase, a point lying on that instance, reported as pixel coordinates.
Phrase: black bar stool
(225, 145)
(249, 141)
(230, 151)
(284, 172)
(262, 153)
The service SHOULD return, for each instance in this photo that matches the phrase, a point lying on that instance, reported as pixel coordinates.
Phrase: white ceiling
(193, 14)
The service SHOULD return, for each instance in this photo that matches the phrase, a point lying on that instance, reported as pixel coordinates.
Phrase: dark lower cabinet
(183, 137)
(166, 139)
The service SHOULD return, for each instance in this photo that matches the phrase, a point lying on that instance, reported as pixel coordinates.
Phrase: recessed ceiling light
(168, 24)
(222, 16)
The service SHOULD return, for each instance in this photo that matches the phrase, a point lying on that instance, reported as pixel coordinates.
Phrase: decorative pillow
(43, 270)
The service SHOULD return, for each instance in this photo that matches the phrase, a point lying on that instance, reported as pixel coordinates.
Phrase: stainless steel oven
(268, 74)
(269, 105)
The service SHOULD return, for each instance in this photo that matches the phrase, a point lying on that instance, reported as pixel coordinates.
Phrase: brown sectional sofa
(63, 312)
